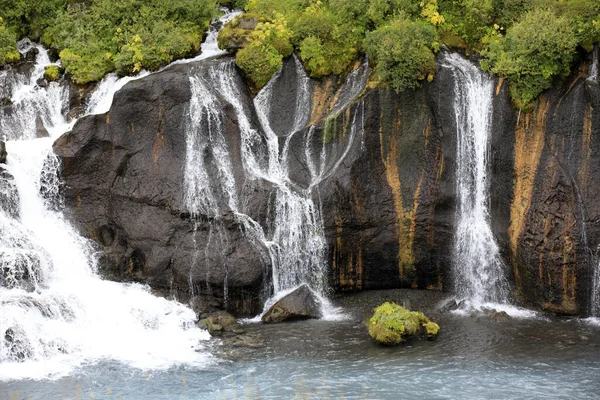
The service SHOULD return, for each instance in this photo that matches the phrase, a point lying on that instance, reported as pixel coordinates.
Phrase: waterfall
(209, 48)
(295, 240)
(593, 74)
(294, 234)
(35, 111)
(56, 313)
(102, 97)
(478, 268)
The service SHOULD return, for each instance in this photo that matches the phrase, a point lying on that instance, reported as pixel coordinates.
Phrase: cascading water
(56, 313)
(33, 108)
(593, 75)
(294, 237)
(478, 268)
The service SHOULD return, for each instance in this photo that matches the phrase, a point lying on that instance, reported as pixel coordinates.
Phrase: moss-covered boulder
(236, 34)
(392, 324)
(219, 322)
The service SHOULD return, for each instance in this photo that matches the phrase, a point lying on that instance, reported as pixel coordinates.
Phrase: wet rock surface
(301, 303)
(3, 152)
(388, 189)
(123, 174)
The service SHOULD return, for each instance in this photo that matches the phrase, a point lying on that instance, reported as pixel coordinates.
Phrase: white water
(31, 103)
(478, 268)
(56, 313)
(593, 75)
(102, 97)
(294, 238)
(101, 100)
(209, 48)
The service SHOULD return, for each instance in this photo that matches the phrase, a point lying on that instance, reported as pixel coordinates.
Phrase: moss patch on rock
(392, 324)
(52, 73)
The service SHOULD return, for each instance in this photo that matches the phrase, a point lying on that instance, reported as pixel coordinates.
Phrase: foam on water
(513, 311)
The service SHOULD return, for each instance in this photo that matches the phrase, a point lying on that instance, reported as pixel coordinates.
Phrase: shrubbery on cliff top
(99, 36)
(401, 36)
(8, 46)
(537, 49)
(530, 42)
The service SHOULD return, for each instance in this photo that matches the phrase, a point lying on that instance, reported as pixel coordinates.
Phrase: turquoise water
(473, 358)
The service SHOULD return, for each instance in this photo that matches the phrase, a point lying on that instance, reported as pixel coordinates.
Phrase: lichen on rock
(392, 324)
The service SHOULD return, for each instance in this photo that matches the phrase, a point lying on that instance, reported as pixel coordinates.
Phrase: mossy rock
(220, 322)
(235, 35)
(52, 73)
(392, 324)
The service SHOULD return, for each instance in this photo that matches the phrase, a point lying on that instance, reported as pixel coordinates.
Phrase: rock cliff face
(381, 165)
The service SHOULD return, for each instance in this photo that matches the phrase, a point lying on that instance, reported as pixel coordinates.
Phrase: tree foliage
(403, 51)
(98, 36)
(8, 47)
(537, 49)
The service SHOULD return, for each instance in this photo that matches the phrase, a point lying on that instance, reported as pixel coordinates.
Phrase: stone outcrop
(3, 152)
(387, 190)
(301, 303)
(123, 174)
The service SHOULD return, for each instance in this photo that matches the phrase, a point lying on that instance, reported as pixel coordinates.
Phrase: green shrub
(259, 61)
(537, 49)
(31, 17)
(52, 73)
(392, 324)
(403, 52)
(8, 45)
(100, 36)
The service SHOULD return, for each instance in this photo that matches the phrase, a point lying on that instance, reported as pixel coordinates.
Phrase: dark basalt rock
(388, 192)
(31, 54)
(9, 194)
(123, 186)
(40, 129)
(302, 303)
(3, 152)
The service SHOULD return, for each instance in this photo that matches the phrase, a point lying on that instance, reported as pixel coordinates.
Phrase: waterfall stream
(56, 313)
(479, 271)
(593, 74)
(294, 238)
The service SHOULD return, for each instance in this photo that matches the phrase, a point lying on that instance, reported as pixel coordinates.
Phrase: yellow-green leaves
(8, 47)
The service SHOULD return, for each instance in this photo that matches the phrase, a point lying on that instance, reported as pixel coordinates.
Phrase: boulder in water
(236, 34)
(499, 316)
(392, 324)
(3, 152)
(219, 322)
(40, 129)
(9, 194)
(31, 54)
(302, 303)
